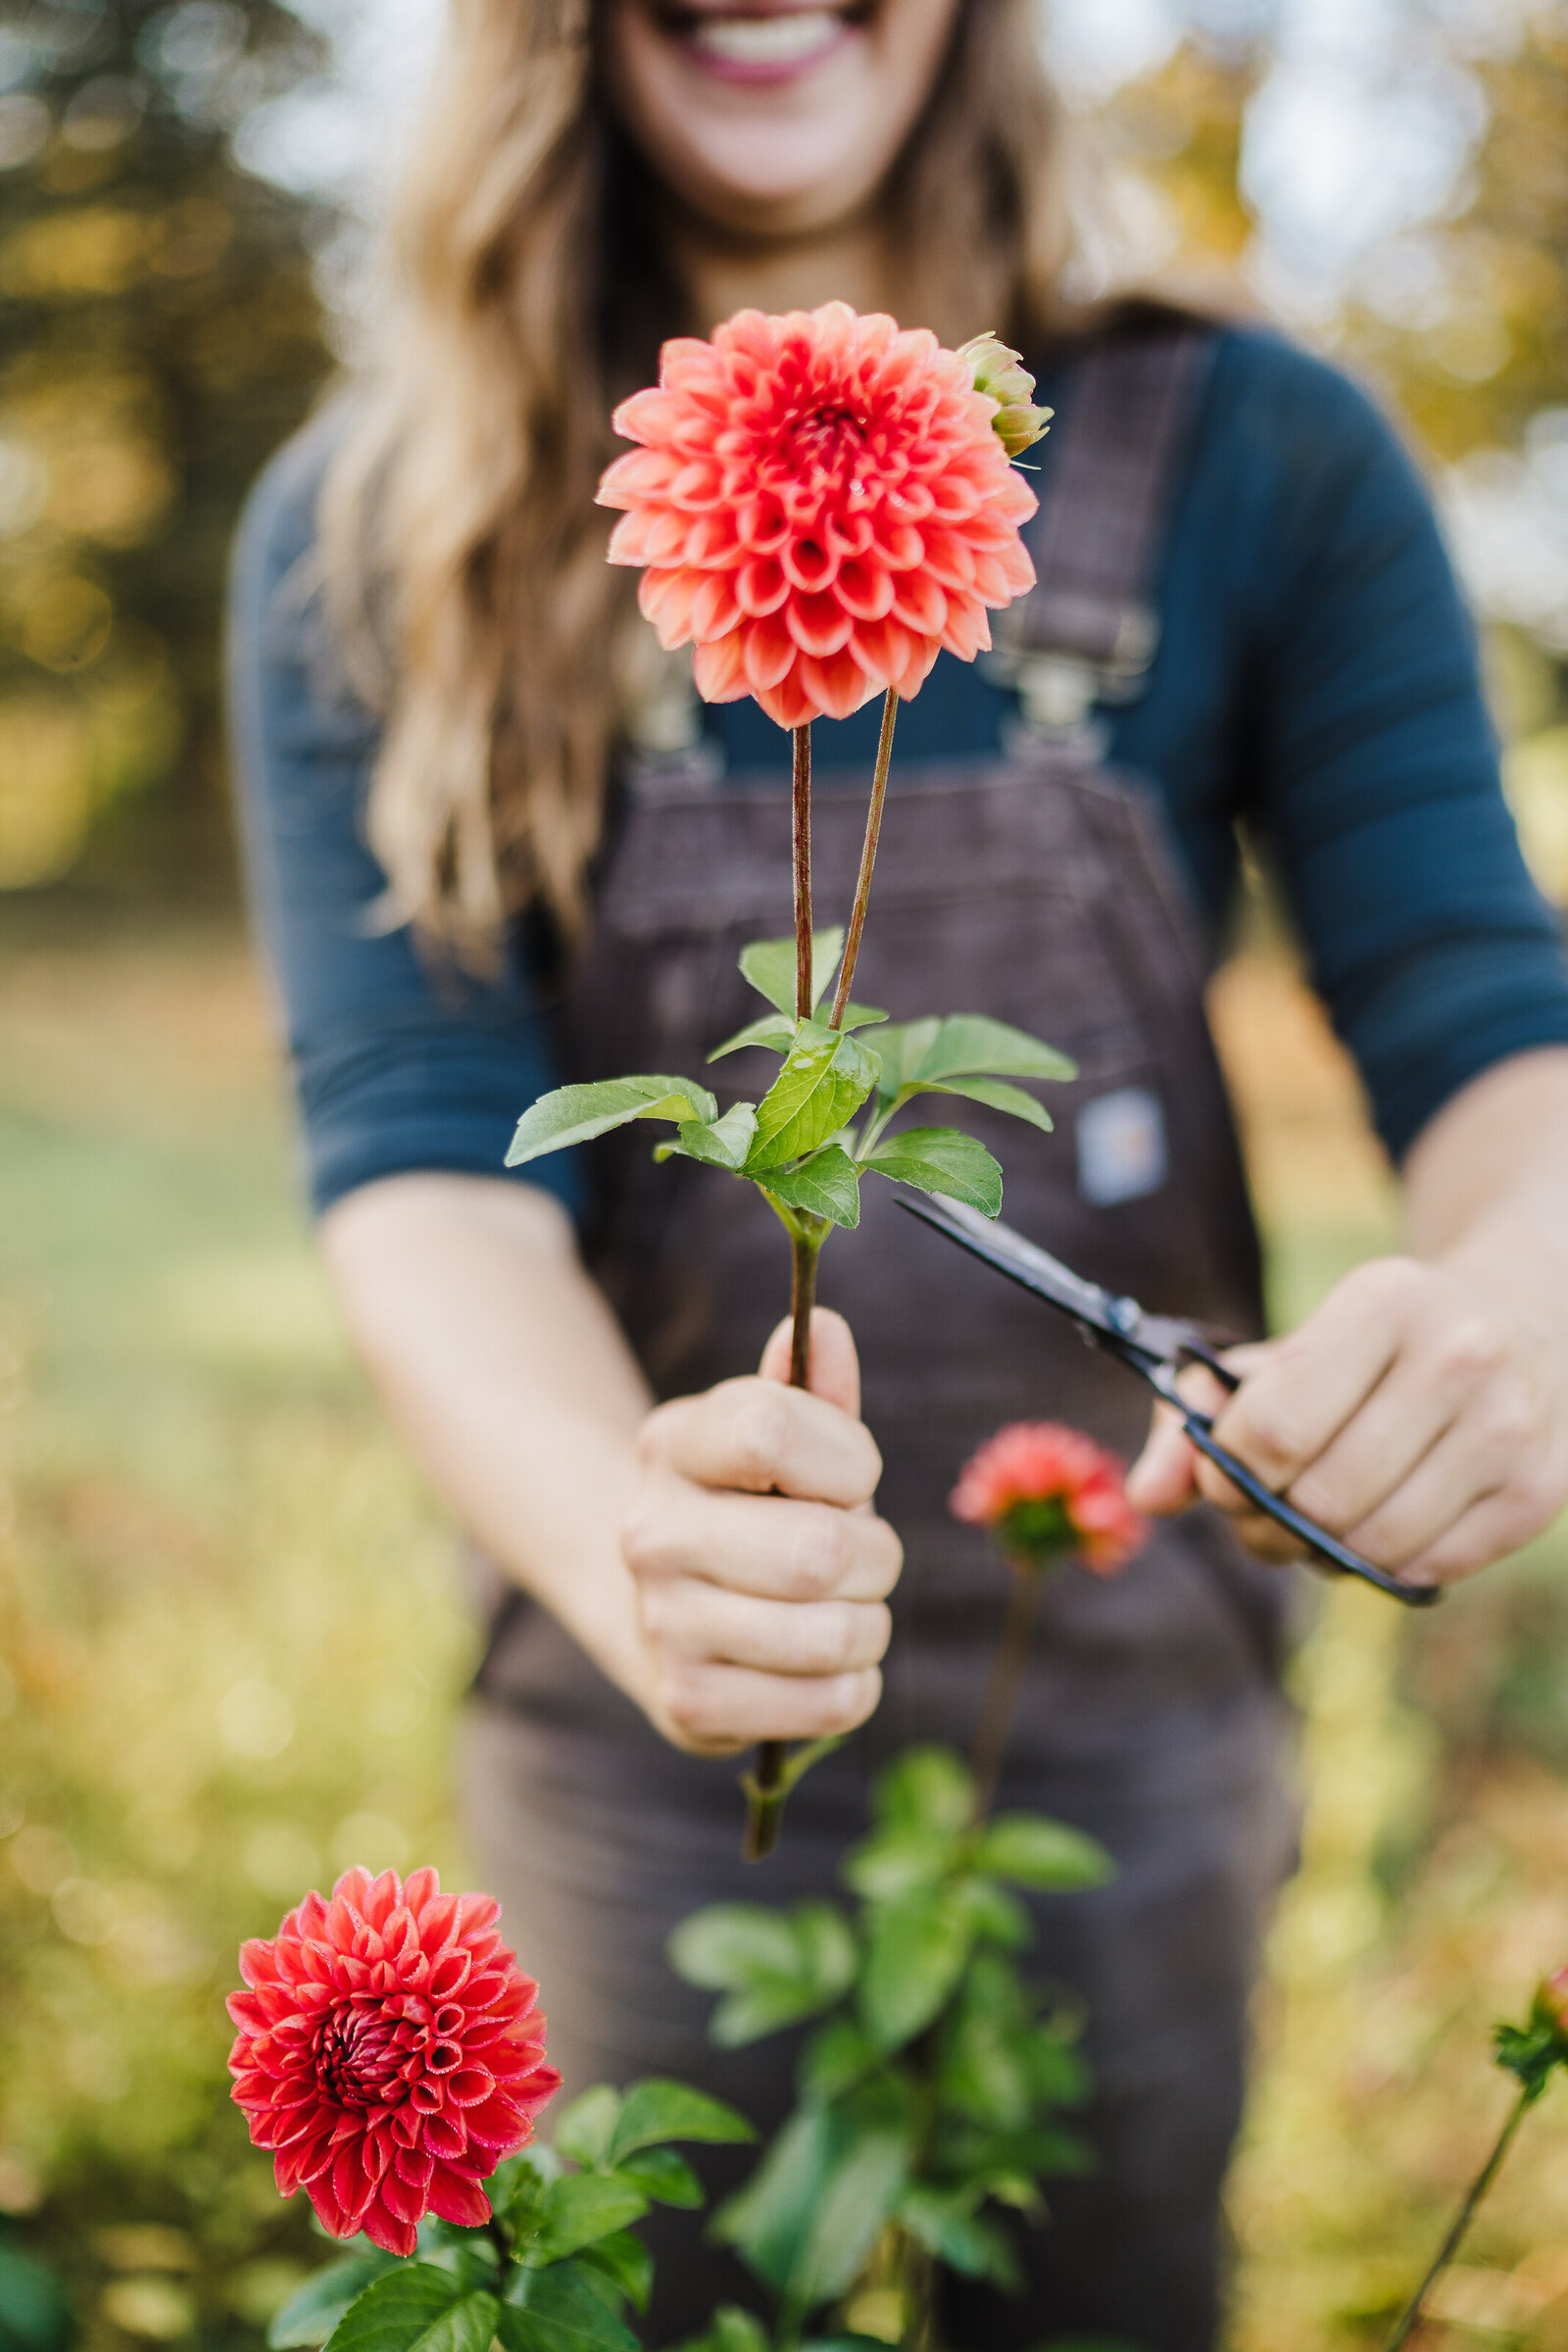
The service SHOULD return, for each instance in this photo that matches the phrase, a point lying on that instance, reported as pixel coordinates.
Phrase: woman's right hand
(760, 1569)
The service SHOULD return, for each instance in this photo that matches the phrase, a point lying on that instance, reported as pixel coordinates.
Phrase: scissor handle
(1318, 1538)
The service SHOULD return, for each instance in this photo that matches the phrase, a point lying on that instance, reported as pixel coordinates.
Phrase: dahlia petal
(864, 590)
(649, 415)
(352, 2186)
(761, 523)
(712, 539)
(666, 599)
(696, 487)
(384, 2230)
(883, 648)
(438, 1922)
(838, 685)
(923, 652)
(450, 1973)
(455, 2198)
(639, 473)
(895, 544)
(470, 2085)
(991, 583)
(761, 586)
(767, 652)
(500, 2123)
(920, 603)
(788, 704)
(968, 630)
(445, 2135)
(717, 672)
(403, 2201)
(949, 559)
(818, 625)
(714, 610)
(808, 565)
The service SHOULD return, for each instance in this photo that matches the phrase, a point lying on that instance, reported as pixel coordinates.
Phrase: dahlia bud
(1551, 2003)
(1001, 374)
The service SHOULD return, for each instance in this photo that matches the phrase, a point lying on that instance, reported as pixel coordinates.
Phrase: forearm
(1487, 1185)
(508, 1375)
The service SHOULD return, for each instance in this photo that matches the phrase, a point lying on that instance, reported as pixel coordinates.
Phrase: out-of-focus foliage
(161, 336)
(231, 1637)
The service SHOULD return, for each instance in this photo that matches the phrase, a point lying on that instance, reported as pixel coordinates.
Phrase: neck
(727, 273)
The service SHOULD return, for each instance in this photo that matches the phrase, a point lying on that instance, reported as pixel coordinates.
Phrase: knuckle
(819, 1557)
(1272, 1435)
(843, 1702)
(1469, 1348)
(644, 1538)
(887, 1552)
(1510, 1424)
(759, 1426)
(1388, 1284)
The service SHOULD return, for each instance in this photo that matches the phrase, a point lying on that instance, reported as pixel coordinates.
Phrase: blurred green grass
(232, 1642)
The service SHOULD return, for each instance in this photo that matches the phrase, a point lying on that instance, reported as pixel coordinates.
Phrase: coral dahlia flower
(390, 2054)
(820, 504)
(1047, 1491)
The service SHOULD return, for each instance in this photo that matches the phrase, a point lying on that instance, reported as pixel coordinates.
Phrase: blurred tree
(161, 336)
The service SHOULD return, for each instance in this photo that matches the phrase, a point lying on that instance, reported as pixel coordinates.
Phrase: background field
(233, 1649)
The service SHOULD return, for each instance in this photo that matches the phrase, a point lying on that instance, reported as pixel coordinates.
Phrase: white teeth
(779, 40)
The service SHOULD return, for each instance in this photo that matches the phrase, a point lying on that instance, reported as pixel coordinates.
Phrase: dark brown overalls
(1035, 887)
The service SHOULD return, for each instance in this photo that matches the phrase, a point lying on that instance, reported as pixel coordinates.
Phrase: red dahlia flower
(390, 2052)
(1047, 1491)
(821, 504)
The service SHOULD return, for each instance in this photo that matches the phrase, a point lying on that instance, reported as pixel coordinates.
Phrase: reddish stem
(873, 834)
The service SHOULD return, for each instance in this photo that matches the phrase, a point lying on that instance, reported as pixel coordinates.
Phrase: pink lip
(684, 26)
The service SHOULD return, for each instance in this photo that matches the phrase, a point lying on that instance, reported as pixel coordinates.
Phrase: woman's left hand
(1421, 1414)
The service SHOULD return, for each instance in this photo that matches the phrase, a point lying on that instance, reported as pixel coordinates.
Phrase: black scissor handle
(1318, 1538)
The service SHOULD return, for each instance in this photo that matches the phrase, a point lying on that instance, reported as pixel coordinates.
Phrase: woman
(1243, 612)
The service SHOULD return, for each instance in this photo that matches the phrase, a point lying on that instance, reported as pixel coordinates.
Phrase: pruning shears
(1156, 1348)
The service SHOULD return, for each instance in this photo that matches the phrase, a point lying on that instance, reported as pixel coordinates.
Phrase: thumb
(1162, 1481)
(833, 1367)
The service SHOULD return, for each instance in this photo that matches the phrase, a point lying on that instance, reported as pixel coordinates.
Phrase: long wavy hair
(463, 557)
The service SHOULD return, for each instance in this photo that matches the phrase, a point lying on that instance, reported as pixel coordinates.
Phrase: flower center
(361, 2054)
(829, 441)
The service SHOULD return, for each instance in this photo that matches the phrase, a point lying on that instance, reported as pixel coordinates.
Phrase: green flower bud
(1001, 374)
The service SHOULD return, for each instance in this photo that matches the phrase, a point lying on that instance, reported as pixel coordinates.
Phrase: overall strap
(1087, 632)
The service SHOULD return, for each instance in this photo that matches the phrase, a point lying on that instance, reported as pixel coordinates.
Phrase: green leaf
(575, 1114)
(416, 2308)
(825, 1078)
(970, 1044)
(995, 1915)
(34, 2312)
(924, 1788)
(557, 2311)
(945, 2223)
(900, 1049)
(516, 2187)
(1058, 2074)
(810, 2215)
(624, 2263)
(941, 1159)
(894, 1862)
(723, 1144)
(730, 2329)
(769, 966)
(584, 2129)
(917, 1951)
(829, 1185)
(837, 2057)
(310, 2316)
(657, 2110)
(576, 2210)
(775, 1966)
(659, 2174)
(995, 1092)
(775, 1030)
(1032, 1851)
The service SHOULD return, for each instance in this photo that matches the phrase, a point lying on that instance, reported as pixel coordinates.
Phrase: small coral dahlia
(390, 2053)
(1047, 1491)
(821, 504)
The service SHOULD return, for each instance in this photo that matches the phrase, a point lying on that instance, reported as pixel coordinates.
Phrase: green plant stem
(800, 845)
(1002, 1689)
(765, 1790)
(1461, 2220)
(873, 833)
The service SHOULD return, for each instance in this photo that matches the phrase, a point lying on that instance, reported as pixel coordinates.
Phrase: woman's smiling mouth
(770, 45)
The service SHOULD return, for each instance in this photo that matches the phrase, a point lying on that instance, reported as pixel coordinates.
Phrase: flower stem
(801, 840)
(765, 1784)
(873, 831)
(1001, 1689)
(1462, 2221)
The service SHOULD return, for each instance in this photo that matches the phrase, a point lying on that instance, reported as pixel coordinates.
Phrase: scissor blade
(1022, 1262)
